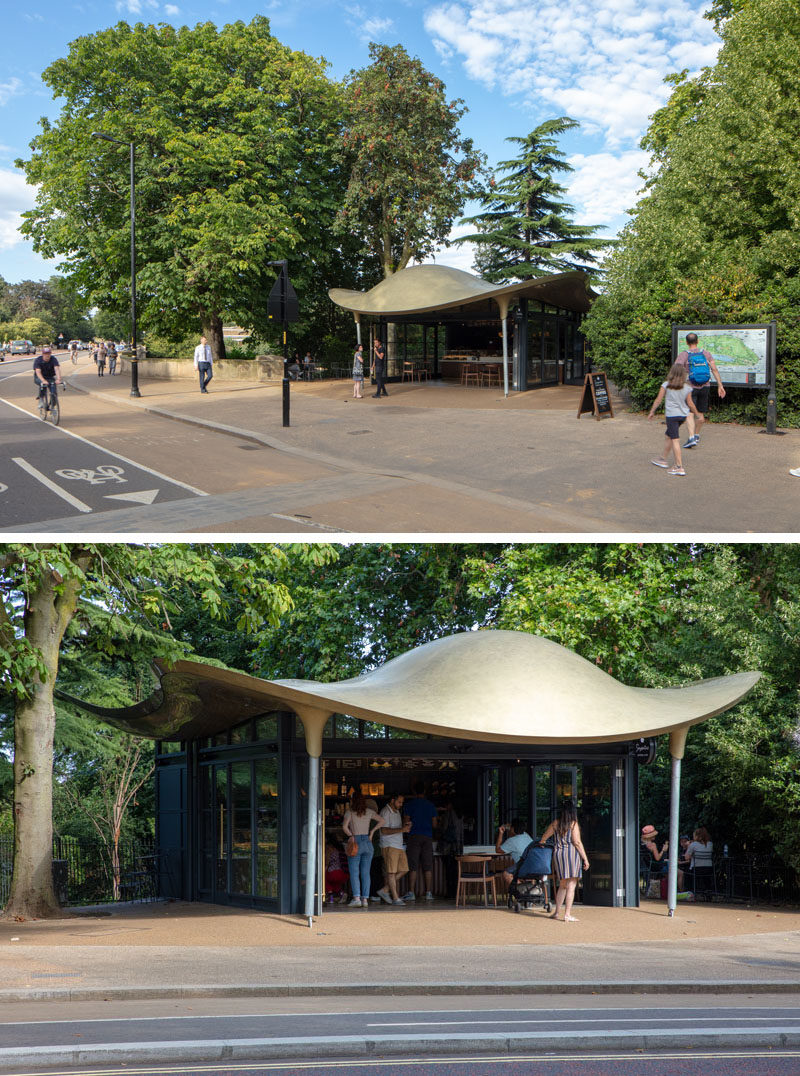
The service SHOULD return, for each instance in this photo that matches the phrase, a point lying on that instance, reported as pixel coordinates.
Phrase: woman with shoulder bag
(360, 823)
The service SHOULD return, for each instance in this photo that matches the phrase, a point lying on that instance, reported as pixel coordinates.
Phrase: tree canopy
(714, 240)
(525, 228)
(410, 168)
(68, 603)
(234, 136)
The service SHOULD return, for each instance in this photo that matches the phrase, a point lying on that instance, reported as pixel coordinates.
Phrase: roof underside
(491, 686)
(423, 290)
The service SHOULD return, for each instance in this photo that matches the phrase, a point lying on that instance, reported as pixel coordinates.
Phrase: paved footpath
(439, 458)
(177, 949)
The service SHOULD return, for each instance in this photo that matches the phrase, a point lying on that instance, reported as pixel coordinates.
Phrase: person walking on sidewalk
(379, 369)
(678, 405)
(700, 366)
(567, 858)
(203, 363)
(102, 352)
(111, 347)
(420, 812)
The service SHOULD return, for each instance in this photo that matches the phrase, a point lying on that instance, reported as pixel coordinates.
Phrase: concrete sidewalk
(518, 464)
(175, 949)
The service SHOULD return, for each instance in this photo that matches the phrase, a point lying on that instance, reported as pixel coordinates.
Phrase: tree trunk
(50, 609)
(212, 331)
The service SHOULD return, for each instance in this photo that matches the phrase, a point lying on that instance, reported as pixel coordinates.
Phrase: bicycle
(48, 403)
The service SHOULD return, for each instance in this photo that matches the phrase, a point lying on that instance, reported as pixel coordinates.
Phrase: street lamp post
(135, 356)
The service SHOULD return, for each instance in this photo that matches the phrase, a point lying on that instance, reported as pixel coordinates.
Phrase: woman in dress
(568, 855)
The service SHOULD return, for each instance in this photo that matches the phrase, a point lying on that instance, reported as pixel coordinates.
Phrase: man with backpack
(701, 366)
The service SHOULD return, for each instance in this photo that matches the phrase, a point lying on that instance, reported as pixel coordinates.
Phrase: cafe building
(252, 773)
(515, 336)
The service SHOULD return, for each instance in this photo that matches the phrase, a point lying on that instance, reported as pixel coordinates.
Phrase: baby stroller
(531, 882)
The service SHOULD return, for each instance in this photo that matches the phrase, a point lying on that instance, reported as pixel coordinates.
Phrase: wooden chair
(409, 371)
(470, 374)
(475, 871)
(490, 376)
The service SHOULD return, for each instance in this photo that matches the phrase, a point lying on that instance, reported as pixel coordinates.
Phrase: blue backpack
(699, 370)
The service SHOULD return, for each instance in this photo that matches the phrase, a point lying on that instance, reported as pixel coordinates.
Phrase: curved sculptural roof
(502, 686)
(425, 288)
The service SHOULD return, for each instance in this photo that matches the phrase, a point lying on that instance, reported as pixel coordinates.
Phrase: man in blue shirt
(420, 812)
(512, 840)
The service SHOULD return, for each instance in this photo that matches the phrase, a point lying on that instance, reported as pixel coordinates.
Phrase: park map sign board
(744, 354)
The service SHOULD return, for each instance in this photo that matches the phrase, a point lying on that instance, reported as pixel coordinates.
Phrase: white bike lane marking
(31, 470)
(108, 452)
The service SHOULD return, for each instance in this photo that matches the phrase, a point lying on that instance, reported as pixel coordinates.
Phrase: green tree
(234, 137)
(525, 227)
(410, 168)
(714, 238)
(121, 597)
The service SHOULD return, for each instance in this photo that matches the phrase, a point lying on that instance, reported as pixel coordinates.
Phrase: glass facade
(233, 808)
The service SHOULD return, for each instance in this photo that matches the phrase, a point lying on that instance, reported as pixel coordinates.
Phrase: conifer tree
(525, 228)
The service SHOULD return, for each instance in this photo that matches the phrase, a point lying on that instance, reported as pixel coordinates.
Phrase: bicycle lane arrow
(145, 496)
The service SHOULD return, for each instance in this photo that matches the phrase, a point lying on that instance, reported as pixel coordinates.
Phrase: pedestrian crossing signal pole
(283, 305)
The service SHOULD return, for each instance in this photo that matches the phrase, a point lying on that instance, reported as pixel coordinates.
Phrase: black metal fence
(82, 871)
(754, 879)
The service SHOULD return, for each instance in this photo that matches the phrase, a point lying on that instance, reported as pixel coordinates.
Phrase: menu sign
(595, 398)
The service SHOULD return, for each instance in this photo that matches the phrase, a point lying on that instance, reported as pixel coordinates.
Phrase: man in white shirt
(512, 840)
(395, 862)
(203, 361)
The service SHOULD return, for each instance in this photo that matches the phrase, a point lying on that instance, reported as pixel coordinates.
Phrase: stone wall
(263, 368)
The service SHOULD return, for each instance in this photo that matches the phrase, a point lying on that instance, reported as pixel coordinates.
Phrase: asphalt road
(48, 471)
(211, 1031)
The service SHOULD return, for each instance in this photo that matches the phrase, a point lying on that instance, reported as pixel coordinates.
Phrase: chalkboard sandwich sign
(595, 398)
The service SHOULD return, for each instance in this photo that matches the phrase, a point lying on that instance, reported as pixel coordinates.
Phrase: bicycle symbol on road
(3, 487)
(106, 472)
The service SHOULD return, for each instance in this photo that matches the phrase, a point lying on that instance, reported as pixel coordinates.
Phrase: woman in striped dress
(568, 855)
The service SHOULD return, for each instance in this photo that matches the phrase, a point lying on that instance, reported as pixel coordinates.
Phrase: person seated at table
(701, 863)
(684, 864)
(336, 871)
(512, 840)
(294, 369)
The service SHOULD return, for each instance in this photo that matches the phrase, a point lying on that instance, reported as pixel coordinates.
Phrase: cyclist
(46, 371)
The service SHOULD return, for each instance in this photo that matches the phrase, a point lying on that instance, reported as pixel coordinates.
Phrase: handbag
(351, 847)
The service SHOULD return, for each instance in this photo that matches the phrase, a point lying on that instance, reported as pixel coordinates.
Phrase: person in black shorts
(701, 366)
(46, 369)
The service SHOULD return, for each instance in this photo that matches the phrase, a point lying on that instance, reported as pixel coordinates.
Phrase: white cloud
(368, 28)
(600, 61)
(170, 9)
(15, 196)
(604, 185)
(9, 89)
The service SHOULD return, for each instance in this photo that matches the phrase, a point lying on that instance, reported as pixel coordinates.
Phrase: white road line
(116, 455)
(51, 485)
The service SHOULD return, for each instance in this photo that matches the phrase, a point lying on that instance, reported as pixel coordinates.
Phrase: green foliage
(234, 137)
(525, 228)
(715, 240)
(410, 169)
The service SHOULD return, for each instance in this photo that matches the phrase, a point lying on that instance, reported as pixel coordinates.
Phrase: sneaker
(409, 897)
(364, 902)
(660, 463)
(694, 440)
(375, 899)
(399, 903)
(677, 471)
(355, 903)
(383, 894)
(795, 471)
(429, 895)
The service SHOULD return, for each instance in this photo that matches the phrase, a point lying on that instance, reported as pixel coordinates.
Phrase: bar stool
(471, 374)
(491, 376)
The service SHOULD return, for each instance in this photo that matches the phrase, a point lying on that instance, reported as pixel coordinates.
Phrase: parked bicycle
(48, 403)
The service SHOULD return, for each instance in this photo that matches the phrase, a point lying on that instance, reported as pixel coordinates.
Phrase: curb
(455, 1047)
(451, 989)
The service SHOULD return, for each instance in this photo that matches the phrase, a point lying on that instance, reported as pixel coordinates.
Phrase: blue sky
(514, 62)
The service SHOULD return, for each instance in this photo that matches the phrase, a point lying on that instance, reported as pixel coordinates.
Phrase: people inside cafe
(512, 840)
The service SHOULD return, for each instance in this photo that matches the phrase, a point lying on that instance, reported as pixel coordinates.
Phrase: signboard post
(744, 356)
(595, 398)
(282, 304)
